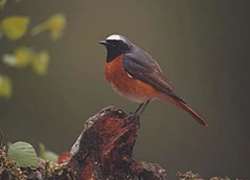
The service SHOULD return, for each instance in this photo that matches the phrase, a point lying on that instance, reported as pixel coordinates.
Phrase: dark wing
(142, 66)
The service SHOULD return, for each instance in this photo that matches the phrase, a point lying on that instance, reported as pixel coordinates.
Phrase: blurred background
(202, 47)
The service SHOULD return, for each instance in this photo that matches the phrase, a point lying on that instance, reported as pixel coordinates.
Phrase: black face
(115, 48)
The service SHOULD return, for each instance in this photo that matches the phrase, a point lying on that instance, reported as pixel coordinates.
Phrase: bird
(135, 75)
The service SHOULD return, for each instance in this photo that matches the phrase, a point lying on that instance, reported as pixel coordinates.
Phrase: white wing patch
(129, 75)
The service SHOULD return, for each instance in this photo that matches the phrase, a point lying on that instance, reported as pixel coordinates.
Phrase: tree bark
(104, 149)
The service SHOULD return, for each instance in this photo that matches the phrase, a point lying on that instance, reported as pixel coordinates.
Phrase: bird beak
(104, 42)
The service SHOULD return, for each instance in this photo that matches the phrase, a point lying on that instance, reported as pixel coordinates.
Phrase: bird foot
(132, 115)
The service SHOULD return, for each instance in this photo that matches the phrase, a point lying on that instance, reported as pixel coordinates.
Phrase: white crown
(115, 37)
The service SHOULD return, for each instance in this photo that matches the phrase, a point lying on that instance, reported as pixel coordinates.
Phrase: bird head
(116, 45)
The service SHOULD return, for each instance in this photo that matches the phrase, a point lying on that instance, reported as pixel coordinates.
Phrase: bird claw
(132, 115)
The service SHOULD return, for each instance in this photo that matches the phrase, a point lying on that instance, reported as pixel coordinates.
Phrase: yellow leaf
(40, 63)
(20, 58)
(15, 27)
(55, 25)
(5, 87)
(23, 56)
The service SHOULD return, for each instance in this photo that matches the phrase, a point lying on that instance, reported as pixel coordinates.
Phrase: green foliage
(15, 28)
(47, 155)
(23, 154)
(9, 170)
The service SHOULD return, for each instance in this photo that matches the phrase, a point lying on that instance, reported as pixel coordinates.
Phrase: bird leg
(141, 108)
(135, 113)
(138, 108)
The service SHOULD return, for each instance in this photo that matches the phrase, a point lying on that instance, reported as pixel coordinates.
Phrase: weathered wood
(104, 149)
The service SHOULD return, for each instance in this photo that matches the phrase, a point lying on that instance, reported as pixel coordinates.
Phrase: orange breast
(131, 88)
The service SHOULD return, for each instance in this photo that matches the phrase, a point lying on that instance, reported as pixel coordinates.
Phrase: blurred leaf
(20, 59)
(41, 150)
(9, 144)
(47, 155)
(40, 63)
(15, 27)
(2, 4)
(39, 29)
(5, 87)
(9, 59)
(55, 24)
(23, 56)
(23, 154)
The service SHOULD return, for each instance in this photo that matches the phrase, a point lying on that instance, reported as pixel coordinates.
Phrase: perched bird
(135, 75)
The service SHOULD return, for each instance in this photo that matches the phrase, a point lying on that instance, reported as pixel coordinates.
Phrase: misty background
(202, 47)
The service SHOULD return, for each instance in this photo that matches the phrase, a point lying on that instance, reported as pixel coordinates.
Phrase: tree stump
(104, 149)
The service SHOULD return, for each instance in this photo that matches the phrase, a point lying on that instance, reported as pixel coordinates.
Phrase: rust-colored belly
(126, 86)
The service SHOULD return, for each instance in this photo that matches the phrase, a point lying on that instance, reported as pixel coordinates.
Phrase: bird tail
(188, 109)
(185, 107)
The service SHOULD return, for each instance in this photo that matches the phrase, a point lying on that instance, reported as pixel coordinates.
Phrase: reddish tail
(186, 108)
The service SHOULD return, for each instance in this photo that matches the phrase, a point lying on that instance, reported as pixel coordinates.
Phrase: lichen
(46, 171)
